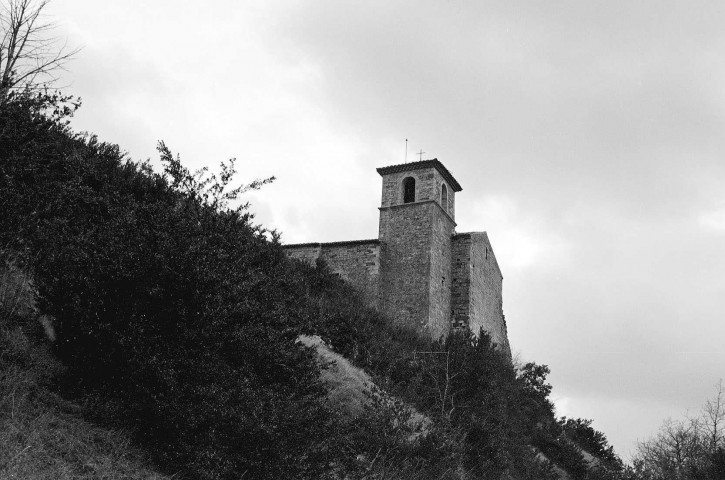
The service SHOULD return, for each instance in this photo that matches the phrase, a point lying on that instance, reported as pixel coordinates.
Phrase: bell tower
(417, 221)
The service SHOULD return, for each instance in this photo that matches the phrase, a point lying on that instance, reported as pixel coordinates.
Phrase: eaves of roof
(434, 163)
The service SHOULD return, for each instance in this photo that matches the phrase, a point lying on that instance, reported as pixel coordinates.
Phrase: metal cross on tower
(420, 154)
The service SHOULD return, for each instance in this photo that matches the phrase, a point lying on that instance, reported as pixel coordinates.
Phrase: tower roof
(404, 167)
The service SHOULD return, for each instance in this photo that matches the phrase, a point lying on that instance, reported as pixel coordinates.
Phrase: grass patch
(43, 436)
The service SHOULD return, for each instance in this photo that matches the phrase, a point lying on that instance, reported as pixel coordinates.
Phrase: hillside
(177, 320)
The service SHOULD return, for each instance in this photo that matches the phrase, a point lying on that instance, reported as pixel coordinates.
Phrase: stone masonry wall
(357, 262)
(478, 287)
(415, 263)
(405, 234)
(428, 183)
(307, 252)
(460, 280)
(440, 273)
(450, 209)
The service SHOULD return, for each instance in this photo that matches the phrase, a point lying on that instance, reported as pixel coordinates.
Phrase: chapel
(420, 270)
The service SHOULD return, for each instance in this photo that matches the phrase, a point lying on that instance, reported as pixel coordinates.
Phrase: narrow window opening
(409, 190)
(444, 197)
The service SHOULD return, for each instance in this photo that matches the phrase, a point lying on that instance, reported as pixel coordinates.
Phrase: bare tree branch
(30, 56)
(687, 449)
(713, 417)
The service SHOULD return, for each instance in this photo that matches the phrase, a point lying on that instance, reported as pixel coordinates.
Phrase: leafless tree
(30, 55)
(687, 449)
(713, 419)
(441, 377)
(673, 451)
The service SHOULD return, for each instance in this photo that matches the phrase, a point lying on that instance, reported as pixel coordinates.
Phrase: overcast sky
(587, 137)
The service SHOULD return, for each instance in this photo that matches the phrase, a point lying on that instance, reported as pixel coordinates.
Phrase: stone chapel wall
(416, 255)
(427, 187)
(405, 232)
(476, 296)
(440, 275)
(460, 280)
(357, 262)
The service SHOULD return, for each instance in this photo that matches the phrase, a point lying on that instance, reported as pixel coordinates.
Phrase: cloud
(610, 103)
(713, 220)
(522, 240)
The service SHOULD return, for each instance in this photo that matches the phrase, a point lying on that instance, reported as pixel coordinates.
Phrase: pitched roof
(404, 167)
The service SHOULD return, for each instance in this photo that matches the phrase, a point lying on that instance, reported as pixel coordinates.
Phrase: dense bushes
(42, 435)
(165, 301)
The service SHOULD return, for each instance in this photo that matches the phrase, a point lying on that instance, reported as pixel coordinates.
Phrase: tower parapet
(429, 181)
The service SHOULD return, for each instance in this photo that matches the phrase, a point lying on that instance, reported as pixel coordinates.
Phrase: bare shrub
(17, 297)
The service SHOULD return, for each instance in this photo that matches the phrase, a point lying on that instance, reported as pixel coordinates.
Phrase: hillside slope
(177, 317)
